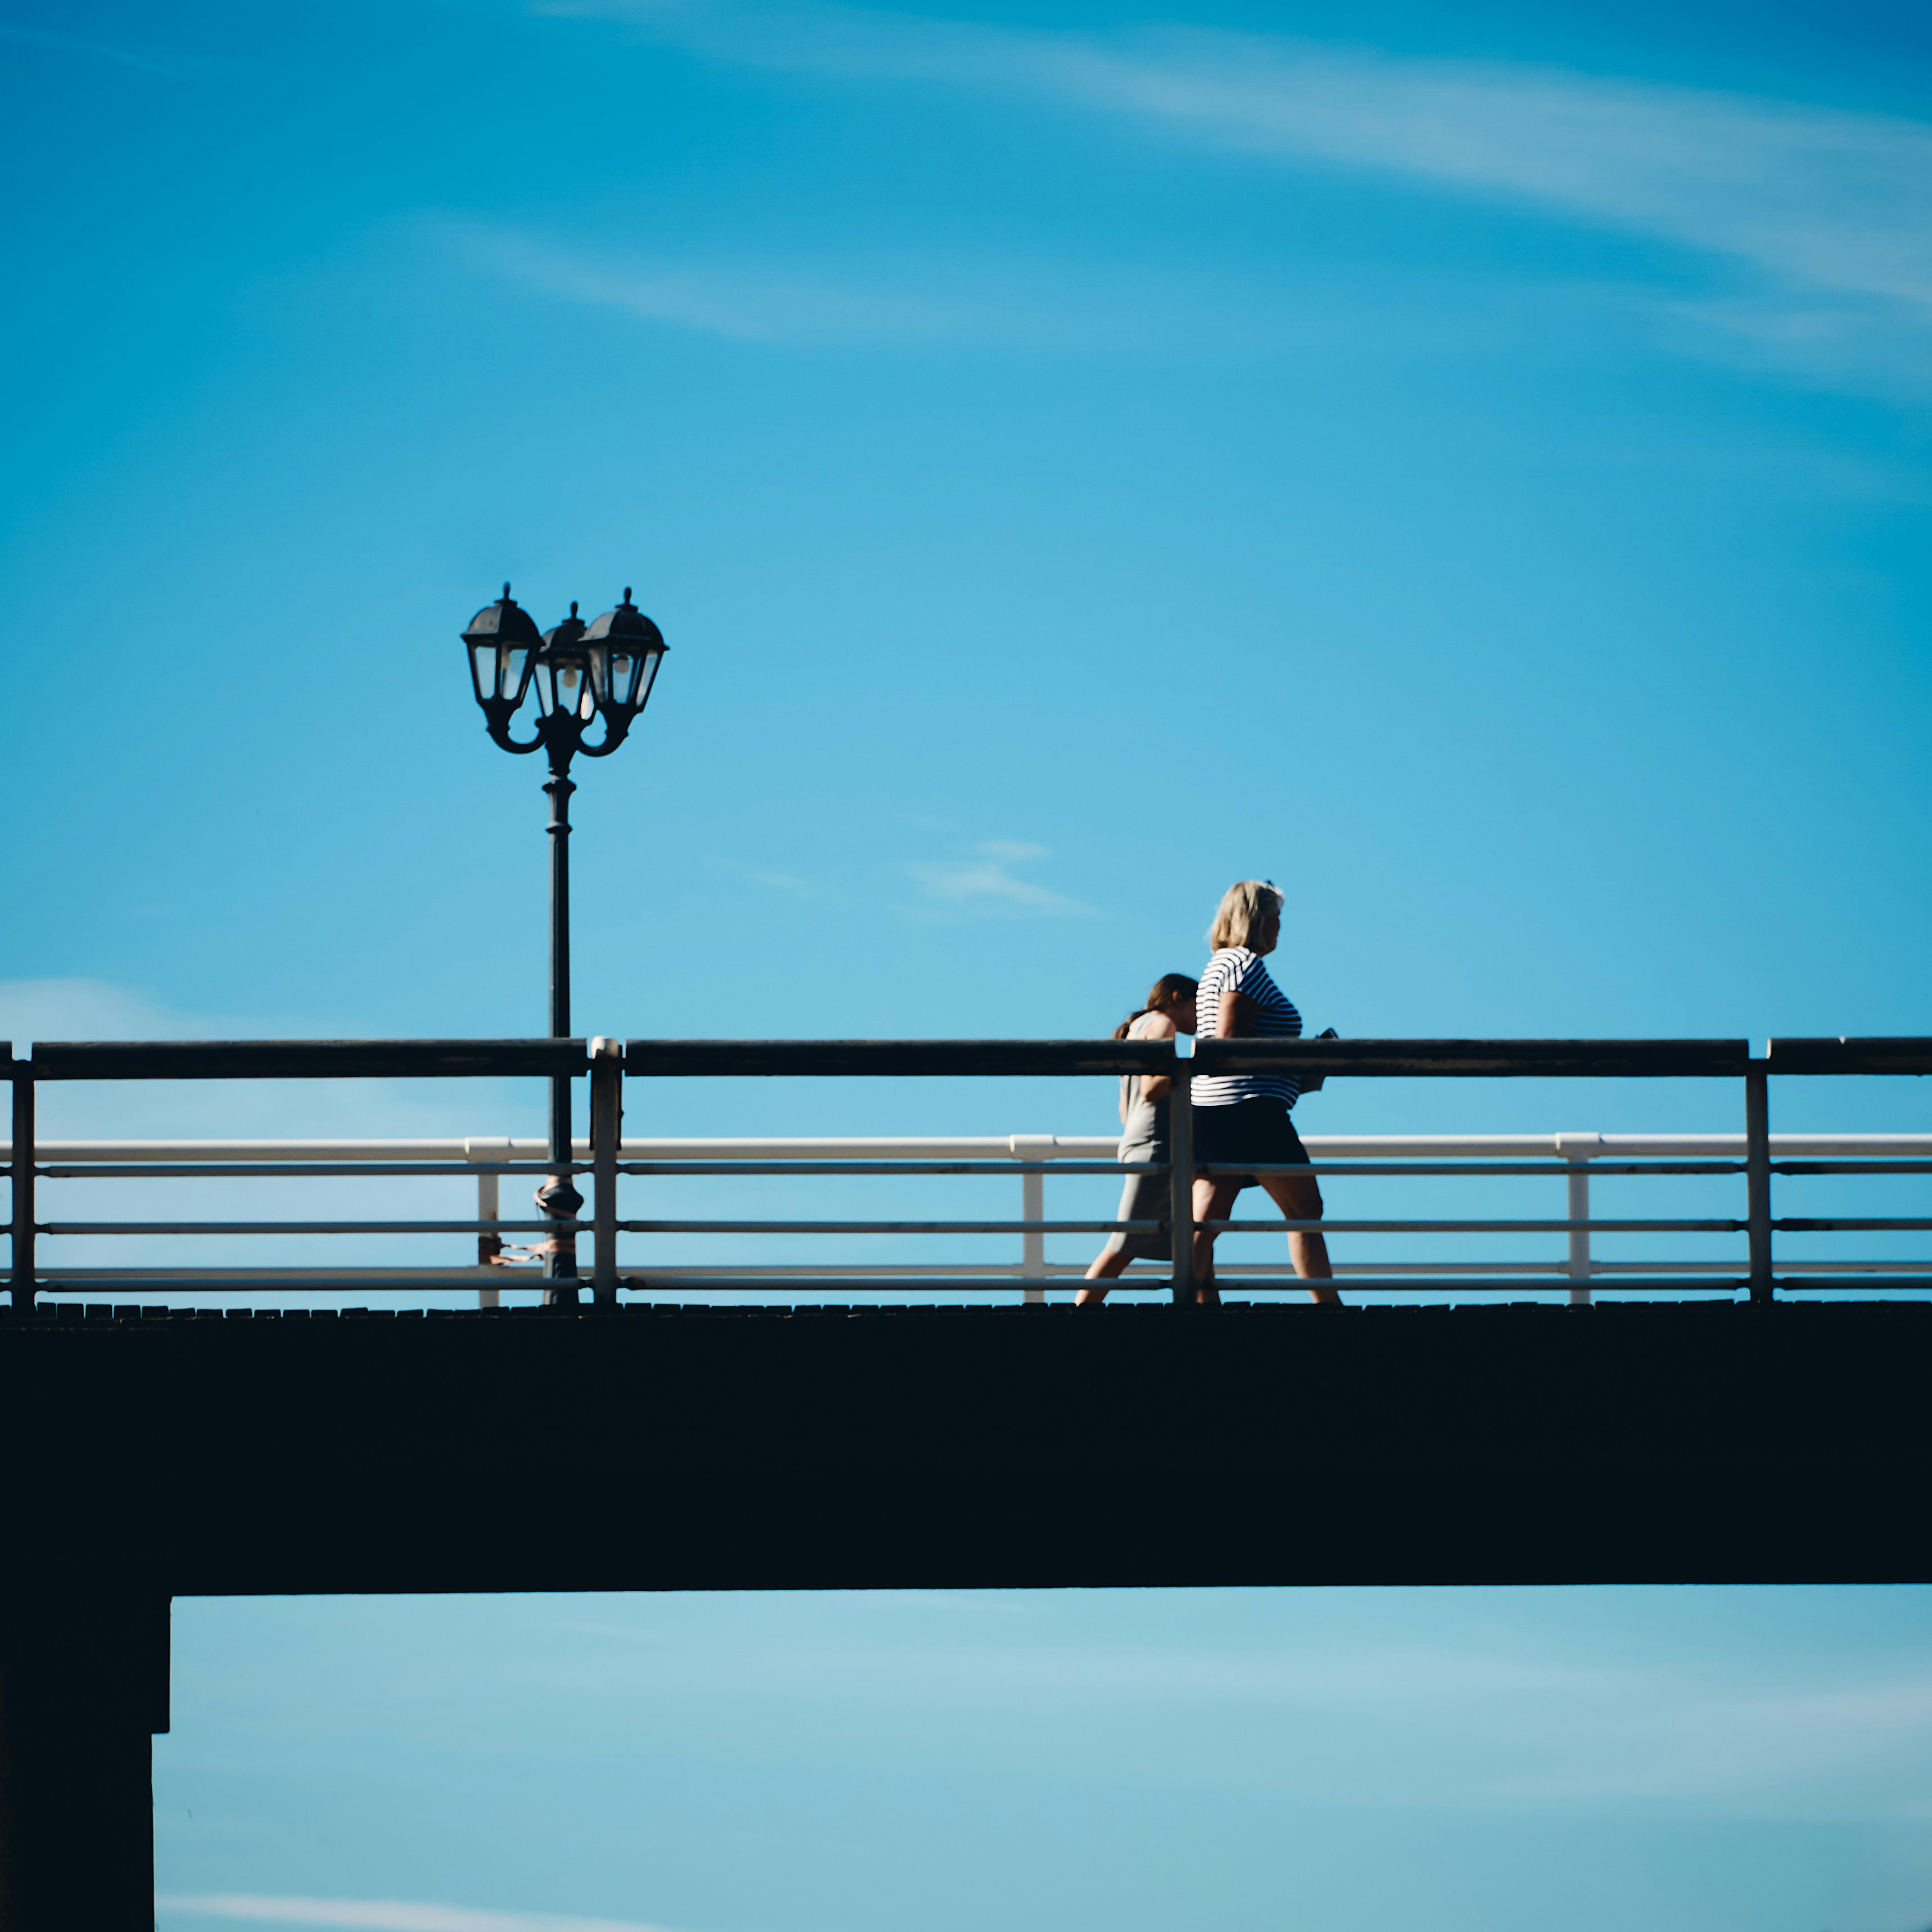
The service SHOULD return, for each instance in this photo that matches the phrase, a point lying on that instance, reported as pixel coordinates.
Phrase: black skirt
(1249, 1130)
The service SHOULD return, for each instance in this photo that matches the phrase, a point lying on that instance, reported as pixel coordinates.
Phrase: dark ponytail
(1169, 990)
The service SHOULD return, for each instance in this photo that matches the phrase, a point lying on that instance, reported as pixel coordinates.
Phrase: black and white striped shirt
(1235, 969)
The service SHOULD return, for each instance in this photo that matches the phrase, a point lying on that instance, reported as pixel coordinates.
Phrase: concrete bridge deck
(772, 1448)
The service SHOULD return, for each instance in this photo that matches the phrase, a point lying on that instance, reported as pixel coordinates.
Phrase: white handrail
(1569, 1154)
(1554, 1147)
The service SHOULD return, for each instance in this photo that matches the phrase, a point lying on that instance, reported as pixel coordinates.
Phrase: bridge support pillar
(83, 1687)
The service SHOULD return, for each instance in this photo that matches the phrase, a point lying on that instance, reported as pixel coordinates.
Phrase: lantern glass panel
(632, 683)
(513, 664)
(569, 685)
(599, 657)
(483, 670)
(646, 675)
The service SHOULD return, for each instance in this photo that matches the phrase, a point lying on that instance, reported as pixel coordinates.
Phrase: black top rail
(1901, 1055)
(301, 1059)
(1400, 1059)
(1466, 1059)
(1357, 1059)
(673, 1058)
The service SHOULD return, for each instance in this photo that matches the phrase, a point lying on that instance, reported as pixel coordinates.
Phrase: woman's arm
(1233, 1018)
(1154, 1026)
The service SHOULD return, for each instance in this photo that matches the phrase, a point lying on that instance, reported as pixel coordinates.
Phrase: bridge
(1728, 1421)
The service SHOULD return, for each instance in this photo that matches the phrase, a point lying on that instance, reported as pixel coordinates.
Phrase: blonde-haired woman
(1239, 1117)
(1143, 1118)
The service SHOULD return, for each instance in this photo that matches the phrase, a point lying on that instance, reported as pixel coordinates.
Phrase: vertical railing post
(1757, 1181)
(489, 1247)
(1032, 1211)
(1576, 1151)
(1033, 1243)
(489, 1207)
(22, 1071)
(607, 1128)
(1580, 1238)
(1180, 1181)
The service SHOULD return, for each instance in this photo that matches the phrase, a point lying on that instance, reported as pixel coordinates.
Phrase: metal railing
(1755, 1155)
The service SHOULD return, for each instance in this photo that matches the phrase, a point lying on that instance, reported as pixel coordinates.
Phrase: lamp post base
(560, 1200)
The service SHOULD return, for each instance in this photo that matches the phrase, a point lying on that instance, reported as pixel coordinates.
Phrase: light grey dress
(1145, 1197)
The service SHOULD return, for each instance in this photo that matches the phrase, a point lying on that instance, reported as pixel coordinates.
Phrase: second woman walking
(1144, 1104)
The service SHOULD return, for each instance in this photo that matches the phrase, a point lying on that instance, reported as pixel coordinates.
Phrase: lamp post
(579, 672)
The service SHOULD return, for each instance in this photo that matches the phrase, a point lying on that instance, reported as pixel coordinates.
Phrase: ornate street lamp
(579, 673)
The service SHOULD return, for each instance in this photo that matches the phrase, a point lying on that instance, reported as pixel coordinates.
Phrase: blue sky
(1469, 467)
(1683, 1760)
(1469, 464)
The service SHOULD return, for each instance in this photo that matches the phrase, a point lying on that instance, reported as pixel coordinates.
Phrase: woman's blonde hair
(1242, 906)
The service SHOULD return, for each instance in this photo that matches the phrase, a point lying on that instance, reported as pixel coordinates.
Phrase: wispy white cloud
(76, 1008)
(1833, 209)
(32, 1010)
(1468, 1725)
(984, 884)
(65, 44)
(906, 302)
(746, 304)
(1472, 1719)
(784, 882)
(385, 1915)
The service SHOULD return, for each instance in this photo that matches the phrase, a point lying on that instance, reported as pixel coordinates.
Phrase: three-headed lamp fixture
(578, 671)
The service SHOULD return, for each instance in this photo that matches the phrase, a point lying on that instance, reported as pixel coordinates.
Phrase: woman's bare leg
(1300, 1199)
(1214, 1200)
(1107, 1264)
